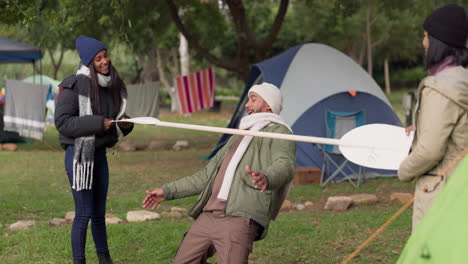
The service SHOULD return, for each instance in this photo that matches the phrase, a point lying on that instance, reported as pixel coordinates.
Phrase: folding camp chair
(338, 124)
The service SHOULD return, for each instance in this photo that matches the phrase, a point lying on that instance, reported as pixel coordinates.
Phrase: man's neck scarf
(253, 122)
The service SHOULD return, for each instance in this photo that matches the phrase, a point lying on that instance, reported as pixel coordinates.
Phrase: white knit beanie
(270, 94)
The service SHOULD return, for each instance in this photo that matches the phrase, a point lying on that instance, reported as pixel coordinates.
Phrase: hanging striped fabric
(195, 91)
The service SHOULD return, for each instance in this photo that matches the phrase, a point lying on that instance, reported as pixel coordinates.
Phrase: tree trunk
(140, 69)
(37, 67)
(184, 55)
(137, 77)
(357, 49)
(165, 82)
(149, 65)
(173, 62)
(52, 60)
(387, 77)
(173, 68)
(362, 51)
(57, 64)
(368, 37)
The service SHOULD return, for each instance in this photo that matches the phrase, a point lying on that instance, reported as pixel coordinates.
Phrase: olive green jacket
(274, 157)
(441, 123)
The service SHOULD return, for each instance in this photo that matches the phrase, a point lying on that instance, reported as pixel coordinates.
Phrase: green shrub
(409, 75)
(228, 92)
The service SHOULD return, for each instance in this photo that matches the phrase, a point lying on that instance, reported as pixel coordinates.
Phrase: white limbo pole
(378, 146)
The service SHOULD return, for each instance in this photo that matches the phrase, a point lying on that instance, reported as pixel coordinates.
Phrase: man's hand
(153, 198)
(409, 129)
(259, 180)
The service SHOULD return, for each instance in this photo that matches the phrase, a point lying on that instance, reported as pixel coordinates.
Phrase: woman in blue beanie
(88, 103)
(441, 116)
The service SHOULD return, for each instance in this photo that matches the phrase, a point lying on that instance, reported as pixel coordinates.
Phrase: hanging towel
(143, 99)
(25, 108)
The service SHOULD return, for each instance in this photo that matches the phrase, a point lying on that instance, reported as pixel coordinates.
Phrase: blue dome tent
(315, 78)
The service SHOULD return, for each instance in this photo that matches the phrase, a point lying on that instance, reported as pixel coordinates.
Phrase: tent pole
(40, 69)
(34, 71)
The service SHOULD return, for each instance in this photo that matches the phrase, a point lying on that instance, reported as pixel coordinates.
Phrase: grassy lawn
(33, 186)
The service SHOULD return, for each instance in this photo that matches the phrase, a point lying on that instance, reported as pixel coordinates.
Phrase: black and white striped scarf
(83, 159)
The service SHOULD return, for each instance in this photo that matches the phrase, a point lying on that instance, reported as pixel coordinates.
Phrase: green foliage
(341, 24)
(19, 12)
(142, 29)
(208, 23)
(298, 16)
(415, 74)
(57, 23)
(228, 91)
(400, 78)
(136, 29)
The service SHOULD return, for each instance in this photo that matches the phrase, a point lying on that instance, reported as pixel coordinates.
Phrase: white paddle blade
(382, 146)
(146, 120)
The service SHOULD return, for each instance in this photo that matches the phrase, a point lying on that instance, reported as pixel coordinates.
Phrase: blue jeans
(89, 205)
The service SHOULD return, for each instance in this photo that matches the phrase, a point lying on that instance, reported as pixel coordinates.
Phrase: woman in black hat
(441, 116)
(89, 101)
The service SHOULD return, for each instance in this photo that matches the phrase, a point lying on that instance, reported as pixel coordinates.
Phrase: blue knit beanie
(88, 48)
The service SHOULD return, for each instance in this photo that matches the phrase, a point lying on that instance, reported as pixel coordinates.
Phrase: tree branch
(268, 41)
(165, 82)
(243, 30)
(383, 37)
(173, 60)
(37, 68)
(376, 43)
(160, 61)
(139, 69)
(193, 42)
(51, 55)
(374, 19)
(62, 52)
(57, 64)
(244, 35)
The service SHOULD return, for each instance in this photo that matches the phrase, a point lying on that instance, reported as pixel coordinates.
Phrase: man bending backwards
(240, 190)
